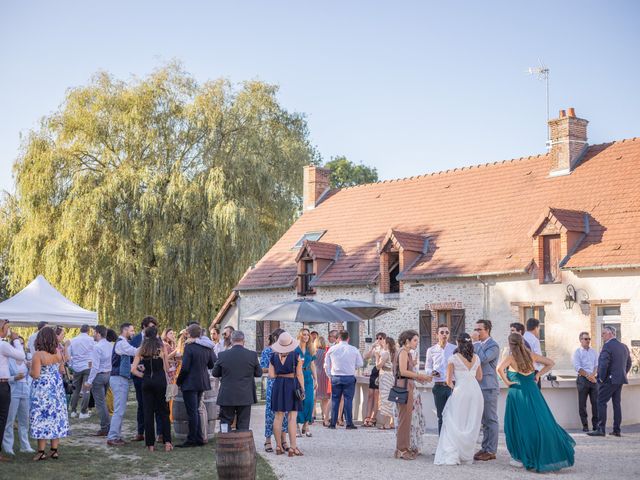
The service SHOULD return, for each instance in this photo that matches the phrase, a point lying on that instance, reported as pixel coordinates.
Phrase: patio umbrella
(304, 311)
(364, 310)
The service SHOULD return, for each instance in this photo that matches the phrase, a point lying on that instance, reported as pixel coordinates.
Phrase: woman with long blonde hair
(322, 392)
(534, 440)
(307, 352)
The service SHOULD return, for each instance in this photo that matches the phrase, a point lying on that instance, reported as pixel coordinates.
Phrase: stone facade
(501, 299)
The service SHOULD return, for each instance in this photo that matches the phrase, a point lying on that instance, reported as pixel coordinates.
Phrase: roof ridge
(469, 167)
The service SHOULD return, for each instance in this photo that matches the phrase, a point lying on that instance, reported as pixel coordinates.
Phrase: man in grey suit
(489, 352)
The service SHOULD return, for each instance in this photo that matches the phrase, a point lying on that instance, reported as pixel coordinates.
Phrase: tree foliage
(153, 196)
(347, 174)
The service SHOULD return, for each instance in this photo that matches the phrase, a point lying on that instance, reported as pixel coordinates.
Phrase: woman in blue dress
(269, 415)
(307, 352)
(534, 439)
(286, 370)
(48, 412)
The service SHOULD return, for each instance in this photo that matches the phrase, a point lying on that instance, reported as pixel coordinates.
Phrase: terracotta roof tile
(477, 218)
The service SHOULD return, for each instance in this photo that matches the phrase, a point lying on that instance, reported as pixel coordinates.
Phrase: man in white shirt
(585, 362)
(121, 359)
(31, 341)
(81, 350)
(340, 364)
(99, 374)
(436, 365)
(532, 336)
(7, 351)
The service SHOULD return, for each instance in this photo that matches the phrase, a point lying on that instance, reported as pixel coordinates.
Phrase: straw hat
(285, 344)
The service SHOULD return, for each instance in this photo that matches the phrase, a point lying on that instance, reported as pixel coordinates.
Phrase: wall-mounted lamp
(570, 297)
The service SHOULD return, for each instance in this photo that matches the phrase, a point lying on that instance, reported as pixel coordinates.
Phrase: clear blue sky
(407, 87)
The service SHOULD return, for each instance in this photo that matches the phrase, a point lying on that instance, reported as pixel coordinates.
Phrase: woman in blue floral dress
(48, 412)
(265, 359)
(307, 353)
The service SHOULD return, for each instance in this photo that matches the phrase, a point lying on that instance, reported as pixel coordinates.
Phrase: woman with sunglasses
(373, 398)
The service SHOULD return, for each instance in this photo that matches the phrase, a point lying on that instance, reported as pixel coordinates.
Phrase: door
(607, 315)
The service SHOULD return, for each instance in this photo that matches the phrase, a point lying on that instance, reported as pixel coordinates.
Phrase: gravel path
(367, 453)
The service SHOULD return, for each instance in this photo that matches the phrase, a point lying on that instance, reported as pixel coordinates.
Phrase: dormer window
(313, 259)
(556, 236)
(398, 253)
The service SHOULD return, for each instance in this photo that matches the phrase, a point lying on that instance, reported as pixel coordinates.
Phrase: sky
(406, 87)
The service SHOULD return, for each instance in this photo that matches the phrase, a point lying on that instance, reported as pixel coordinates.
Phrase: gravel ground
(367, 453)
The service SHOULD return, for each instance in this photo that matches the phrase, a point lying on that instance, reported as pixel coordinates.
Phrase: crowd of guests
(303, 371)
(47, 379)
(465, 388)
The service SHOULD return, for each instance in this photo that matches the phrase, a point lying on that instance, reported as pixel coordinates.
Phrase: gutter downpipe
(373, 290)
(486, 298)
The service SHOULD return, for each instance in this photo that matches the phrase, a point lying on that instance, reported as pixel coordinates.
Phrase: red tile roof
(324, 250)
(407, 241)
(477, 219)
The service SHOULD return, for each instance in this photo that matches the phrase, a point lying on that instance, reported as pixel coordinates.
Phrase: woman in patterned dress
(418, 422)
(48, 412)
(269, 415)
(385, 381)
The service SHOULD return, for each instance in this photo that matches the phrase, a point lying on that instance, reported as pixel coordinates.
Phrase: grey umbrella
(304, 311)
(364, 310)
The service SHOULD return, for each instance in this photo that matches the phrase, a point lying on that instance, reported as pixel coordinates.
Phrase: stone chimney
(316, 184)
(568, 141)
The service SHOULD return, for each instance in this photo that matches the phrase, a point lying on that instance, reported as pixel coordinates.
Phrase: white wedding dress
(461, 417)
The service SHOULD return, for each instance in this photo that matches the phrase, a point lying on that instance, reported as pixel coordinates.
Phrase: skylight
(311, 236)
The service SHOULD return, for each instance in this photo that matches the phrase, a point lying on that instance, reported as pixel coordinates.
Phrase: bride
(463, 412)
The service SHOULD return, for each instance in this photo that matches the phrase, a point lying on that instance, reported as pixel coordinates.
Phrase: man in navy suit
(613, 365)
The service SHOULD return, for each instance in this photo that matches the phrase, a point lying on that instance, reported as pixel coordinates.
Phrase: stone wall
(507, 297)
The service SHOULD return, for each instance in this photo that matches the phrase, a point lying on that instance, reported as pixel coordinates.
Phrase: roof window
(311, 236)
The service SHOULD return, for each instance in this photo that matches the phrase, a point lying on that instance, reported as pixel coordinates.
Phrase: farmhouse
(553, 236)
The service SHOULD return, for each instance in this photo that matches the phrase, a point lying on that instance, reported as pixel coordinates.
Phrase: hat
(285, 344)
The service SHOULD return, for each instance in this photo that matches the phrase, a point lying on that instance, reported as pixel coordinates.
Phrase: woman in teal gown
(307, 353)
(534, 440)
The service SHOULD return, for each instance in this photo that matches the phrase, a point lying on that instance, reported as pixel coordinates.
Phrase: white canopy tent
(39, 301)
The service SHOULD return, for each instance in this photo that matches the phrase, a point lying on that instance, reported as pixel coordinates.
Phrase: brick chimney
(568, 141)
(316, 184)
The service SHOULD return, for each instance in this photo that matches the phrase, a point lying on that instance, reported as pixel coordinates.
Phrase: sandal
(267, 447)
(54, 453)
(279, 451)
(168, 447)
(404, 455)
(40, 455)
(295, 452)
(308, 434)
(285, 446)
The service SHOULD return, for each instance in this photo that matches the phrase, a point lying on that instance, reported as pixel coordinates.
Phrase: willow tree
(153, 196)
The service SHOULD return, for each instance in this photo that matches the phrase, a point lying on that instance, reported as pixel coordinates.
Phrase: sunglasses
(585, 338)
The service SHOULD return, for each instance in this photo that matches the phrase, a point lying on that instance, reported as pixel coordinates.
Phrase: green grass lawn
(85, 456)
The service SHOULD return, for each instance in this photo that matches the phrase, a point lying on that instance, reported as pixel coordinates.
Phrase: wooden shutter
(552, 259)
(457, 325)
(425, 332)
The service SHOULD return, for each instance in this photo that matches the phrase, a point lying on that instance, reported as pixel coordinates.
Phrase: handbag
(398, 394)
(172, 392)
(300, 393)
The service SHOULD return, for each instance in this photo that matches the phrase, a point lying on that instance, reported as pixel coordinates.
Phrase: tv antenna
(542, 73)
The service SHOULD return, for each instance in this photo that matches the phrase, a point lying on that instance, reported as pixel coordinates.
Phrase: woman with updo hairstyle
(269, 415)
(405, 376)
(48, 411)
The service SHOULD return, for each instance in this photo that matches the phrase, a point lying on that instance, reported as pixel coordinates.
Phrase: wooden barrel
(208, 413)
(236, 456)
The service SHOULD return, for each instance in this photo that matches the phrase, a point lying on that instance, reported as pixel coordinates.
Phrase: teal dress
(533, 436)
(306, 414)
